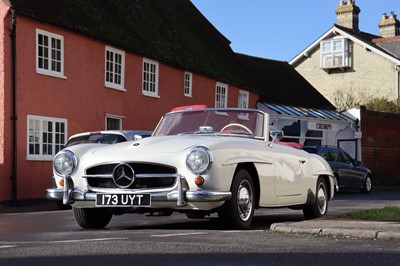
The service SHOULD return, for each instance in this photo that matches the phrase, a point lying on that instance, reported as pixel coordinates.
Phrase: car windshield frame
(213, 121)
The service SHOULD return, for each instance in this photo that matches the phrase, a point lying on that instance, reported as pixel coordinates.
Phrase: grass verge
(386, 214)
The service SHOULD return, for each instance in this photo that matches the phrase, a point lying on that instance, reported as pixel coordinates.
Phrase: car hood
(169, 144)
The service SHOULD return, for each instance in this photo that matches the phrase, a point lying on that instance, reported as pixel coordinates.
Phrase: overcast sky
(281, 29)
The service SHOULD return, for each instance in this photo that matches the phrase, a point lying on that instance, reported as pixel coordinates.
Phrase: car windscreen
(212, 121)
(96, 138)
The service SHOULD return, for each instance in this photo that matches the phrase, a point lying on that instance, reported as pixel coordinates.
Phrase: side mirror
(276, 134)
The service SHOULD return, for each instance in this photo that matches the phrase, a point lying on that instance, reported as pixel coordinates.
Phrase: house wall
(371, 76)
(81, 97)
(5, 100)
(381, 146)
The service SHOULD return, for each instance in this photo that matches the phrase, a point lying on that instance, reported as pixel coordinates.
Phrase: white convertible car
(198, 161)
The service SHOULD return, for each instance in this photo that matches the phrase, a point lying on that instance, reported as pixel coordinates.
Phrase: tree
(345, 99)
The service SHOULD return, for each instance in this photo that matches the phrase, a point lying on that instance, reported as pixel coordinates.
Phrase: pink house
(74, 66)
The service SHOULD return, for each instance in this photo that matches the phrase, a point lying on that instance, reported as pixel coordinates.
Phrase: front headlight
(199, 160)
(64, 163)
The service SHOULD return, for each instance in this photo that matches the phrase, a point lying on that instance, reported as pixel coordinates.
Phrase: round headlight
(199, 160)
(64, 163)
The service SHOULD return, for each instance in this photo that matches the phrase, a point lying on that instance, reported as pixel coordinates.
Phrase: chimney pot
(389, 26)
(347, 14)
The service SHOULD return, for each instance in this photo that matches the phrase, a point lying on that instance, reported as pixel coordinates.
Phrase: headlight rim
(203, 169)
(74, 161)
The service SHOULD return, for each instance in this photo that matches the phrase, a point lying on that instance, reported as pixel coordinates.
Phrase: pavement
(341, 228)
(325, 226)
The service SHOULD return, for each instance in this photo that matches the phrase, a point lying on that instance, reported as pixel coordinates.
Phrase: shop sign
(322, 126)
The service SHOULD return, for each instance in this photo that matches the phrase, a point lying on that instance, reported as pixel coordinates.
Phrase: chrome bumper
(179, 194)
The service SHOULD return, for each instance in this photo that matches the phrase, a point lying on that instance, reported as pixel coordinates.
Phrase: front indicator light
(199, 181)
(61, 182)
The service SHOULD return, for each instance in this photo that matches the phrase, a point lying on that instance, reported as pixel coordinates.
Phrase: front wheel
(239, 211)
(367, 185)
(94, 218)
(320, 205)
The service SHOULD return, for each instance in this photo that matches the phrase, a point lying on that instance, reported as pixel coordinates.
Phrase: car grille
(100, 176)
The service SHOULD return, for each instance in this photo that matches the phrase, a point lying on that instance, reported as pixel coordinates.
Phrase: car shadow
(180, 222)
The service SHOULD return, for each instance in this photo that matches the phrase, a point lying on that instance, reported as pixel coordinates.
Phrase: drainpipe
(14, 103)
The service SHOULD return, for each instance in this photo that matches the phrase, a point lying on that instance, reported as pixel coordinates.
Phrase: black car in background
(348, 172)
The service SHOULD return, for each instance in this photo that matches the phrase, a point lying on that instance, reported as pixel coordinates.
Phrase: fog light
(61, 182)
(199, 181)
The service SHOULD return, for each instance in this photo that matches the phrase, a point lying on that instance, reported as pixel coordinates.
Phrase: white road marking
(88, 240)
(8, 246)
(181, 234)
(242, 231)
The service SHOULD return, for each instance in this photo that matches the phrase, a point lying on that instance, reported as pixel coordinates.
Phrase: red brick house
(74, 66)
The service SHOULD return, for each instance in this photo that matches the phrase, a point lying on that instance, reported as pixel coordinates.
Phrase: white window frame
(150, 78)
(51, 53)
(335, 53)
(36, 137)
(243, 99)
(243, 102)
(115, 117)
(114, 68)
(221, 95)
(187, 84)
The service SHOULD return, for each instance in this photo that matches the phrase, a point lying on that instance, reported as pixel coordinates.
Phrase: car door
(290, 171)
(354, 175)
(346, 168)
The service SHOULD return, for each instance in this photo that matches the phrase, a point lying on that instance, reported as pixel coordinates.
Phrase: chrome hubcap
(244, 200)
(368, 184)
(321, 199)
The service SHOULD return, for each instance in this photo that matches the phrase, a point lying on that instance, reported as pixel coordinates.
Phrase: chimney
(347, 14)
(389, 26)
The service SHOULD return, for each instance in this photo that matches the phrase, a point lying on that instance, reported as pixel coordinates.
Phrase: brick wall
(381, 146)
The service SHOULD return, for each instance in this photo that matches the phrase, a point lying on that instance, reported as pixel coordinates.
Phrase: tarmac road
(290, 221)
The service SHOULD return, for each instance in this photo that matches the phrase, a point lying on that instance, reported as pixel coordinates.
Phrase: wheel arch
(254, 175)
(330, 185)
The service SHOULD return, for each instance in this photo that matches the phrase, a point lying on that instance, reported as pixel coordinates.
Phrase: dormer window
(335, 53)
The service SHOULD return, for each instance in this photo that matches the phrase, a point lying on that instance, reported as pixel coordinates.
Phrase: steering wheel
(237, 125)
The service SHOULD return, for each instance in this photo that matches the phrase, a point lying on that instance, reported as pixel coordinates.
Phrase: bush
(383, 105)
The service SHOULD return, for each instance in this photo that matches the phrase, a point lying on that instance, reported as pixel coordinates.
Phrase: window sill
(116, 89)
(51, 74)
(151, 95)
(40, 158)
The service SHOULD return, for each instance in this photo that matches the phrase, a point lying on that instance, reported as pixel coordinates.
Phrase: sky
(281, 29)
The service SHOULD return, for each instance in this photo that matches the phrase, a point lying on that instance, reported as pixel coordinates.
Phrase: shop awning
(303, 113)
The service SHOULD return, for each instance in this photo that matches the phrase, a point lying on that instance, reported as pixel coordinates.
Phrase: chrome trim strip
(136, 175)
(187, 196)
(179, 193)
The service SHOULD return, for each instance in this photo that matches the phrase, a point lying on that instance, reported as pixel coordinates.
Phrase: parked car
(198, 161)
(107, 136)
(103, 137)
(348, 172)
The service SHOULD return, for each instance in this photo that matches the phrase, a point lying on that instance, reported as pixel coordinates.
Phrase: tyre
(238, 212)
(320, 206)
(367, 185)
(92, 217)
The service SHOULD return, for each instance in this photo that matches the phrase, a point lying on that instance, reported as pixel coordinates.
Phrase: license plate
(124, 200)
